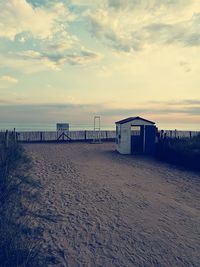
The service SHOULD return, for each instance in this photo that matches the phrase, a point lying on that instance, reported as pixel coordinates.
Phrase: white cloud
(22, 40)
(83, 57)
(64, 42)
(55, 46)
(30, 61)
(29, 54)
(18, 16)
(33, 61)
(86, 2)
(54, 60)
(132, 25)
(7, 81)
(26, 63)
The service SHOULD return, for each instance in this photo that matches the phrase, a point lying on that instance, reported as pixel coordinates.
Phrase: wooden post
(106, 135)
(7, 138)
(190, 134)
(162, 134)
(14, 132)
(85, 136)
(17, 136)
(40, 136)
(175, 133)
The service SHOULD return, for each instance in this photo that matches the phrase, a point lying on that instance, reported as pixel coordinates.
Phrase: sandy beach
(100, 208)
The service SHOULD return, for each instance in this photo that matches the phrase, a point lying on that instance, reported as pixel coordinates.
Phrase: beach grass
(16, 249)
(184, 152)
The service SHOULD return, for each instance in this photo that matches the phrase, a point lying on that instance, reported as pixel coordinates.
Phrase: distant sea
(79, 127)
(50, 127)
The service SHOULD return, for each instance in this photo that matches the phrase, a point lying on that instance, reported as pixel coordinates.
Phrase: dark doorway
(150, 136)
(137, 139)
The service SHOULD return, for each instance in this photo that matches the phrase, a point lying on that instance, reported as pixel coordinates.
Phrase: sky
(69, 60)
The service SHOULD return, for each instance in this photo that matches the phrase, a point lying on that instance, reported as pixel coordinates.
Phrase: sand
(100, 208)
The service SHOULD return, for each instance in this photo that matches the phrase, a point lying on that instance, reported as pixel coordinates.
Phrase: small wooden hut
(135, 135)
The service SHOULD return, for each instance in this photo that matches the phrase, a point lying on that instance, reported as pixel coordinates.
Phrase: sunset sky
(70, 60)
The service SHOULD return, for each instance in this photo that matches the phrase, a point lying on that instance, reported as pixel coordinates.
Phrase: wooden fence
(64, 136)
(178, 134)
(56, 136)
(8, 138)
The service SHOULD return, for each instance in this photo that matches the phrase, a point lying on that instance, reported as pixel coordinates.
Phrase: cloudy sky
(71, 59)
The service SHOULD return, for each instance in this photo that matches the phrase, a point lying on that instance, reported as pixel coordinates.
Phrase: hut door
(150, 137)
(137, 134)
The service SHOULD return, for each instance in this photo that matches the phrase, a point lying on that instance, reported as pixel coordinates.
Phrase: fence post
(175, 132)
(190, 134)
(7, 138)
(162, 134)
(85, 135)
(14, 132)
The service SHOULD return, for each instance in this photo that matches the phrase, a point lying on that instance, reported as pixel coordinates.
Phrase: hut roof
(132, 119)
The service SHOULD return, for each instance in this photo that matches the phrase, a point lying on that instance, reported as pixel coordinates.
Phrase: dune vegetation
(16, 249)
(184, 152)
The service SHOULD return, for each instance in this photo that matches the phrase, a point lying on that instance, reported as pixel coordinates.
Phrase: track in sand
(99, 208)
